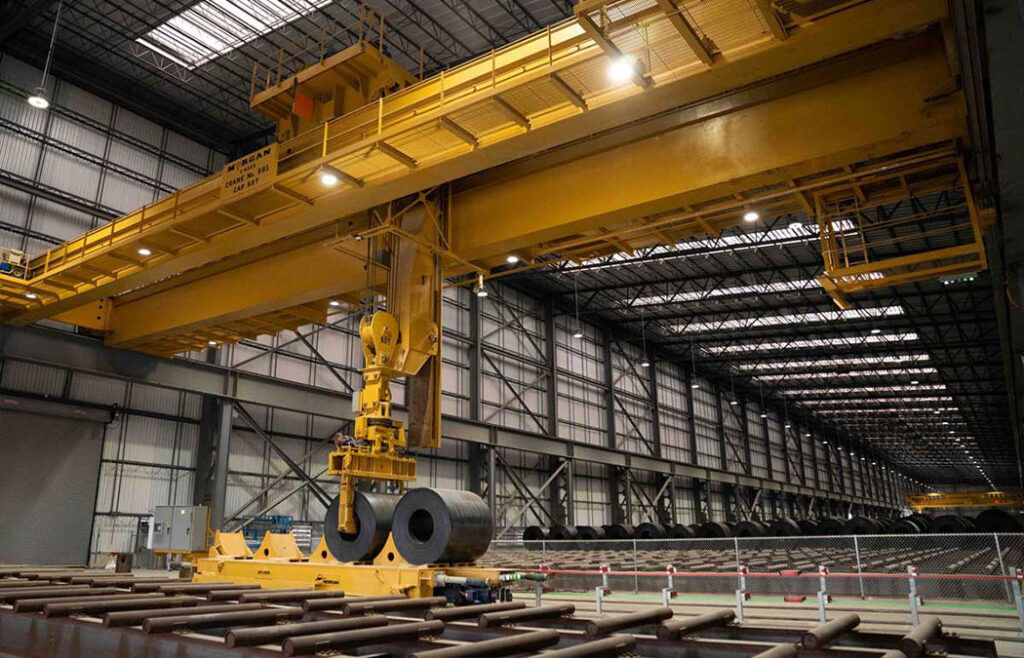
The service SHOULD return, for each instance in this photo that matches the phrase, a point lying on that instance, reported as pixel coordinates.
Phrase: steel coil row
(987, 522)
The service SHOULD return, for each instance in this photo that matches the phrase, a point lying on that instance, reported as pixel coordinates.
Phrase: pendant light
(39, 99)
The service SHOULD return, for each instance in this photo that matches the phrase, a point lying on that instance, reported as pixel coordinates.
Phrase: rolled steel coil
(784, 527)
(374, 515)
(808, 527)
(996, 520)
(904, 527)
(715, 530)
(680, 531)
(589, 532)
(861, 525)
(831, 525)
(562, 533)
(535, 533)
(619, 531)
(441, 525)
(922, 520)
(648, 530)
(751, 529)
(949, 524)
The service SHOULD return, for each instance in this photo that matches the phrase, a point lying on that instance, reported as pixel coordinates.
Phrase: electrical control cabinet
(179, 528)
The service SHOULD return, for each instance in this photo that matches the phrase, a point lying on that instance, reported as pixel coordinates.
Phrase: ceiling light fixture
(576, 301)
(796, 225)
(143, 251)
(211, 343)
(328, 177)
(31, 295)
(334, 302)
(751, 216)
(693, 368)
(511, 259)
(622, 68)
(39, 99)
(644, 363)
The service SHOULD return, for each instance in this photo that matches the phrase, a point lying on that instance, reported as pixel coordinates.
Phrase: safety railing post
(912, 582)
(636, 569)
(539, 585)
(736, 550)
(741, 593)
(603, 590)
(1018, 597)
(860, 576)
(1002, 567)
(668, 593)
(823, 596)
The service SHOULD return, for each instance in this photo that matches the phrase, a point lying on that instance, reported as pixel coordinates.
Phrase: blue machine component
(255, 527)
(473, 594)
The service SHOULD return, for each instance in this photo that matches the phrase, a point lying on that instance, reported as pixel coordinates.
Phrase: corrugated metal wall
(108, 160)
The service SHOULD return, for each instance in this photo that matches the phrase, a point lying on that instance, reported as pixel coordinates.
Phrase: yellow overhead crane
(382, 188)
(920, 502)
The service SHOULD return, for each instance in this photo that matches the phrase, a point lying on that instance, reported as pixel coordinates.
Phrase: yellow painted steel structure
(279, 564)
(768, 123)
(920, 502)
(530, 150)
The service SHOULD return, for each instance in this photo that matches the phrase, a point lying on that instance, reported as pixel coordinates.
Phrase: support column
(652, 383)
(690, 424)
(745, 427)
(474, 357)
(223, 452)
(551, 354)
(618, 485)
(720, 423)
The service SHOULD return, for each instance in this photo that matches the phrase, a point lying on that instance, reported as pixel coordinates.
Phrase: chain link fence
(863, 566)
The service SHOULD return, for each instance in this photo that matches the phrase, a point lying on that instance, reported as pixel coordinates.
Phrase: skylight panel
(783, 320)
(882, 400)
(809, 364)
(840, 375)
(840, 390)
(696, 295)
(215, 27)
(803, 344)
(726, 243)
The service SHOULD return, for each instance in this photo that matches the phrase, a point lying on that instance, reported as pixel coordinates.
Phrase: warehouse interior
(637, 287)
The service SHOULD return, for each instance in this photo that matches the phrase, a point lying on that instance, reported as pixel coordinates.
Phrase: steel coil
(808, 527)
(650, 531)
(535, 533)
(680, 531)
(904, 527)
(589, 532)
(861, 525)
(374, 514)
(619, 531)
(562, 533)
(715, 530)
(996, 520)
(441, 525)
(784, 527)
(751, 529)
(831, 525)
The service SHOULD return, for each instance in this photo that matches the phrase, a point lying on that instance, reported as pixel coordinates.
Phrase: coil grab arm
(409, 241)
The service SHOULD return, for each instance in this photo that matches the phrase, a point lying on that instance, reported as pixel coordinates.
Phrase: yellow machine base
(353, 579)
(278, 564)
